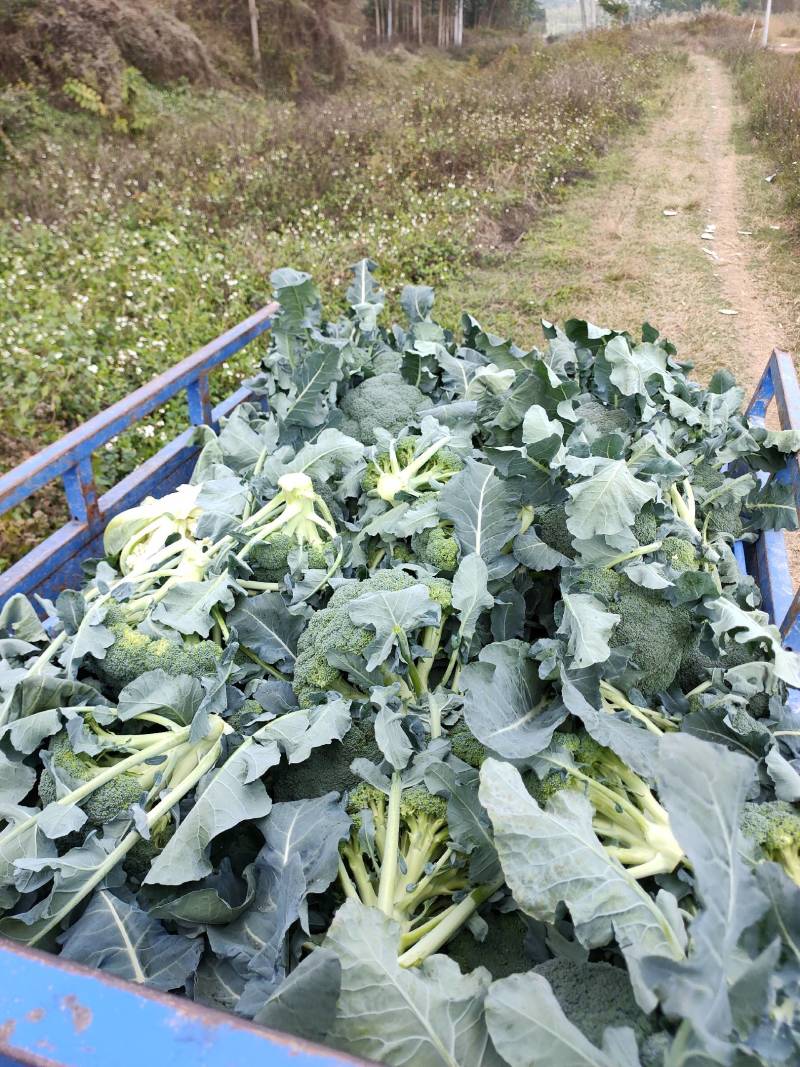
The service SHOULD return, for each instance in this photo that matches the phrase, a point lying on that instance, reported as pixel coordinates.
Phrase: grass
(120, 255)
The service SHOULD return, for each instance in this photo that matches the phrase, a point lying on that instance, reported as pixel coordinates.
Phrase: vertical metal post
(199, 401)
(81, 493)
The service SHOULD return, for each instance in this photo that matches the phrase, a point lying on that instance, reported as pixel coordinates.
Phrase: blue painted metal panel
(58, 1013)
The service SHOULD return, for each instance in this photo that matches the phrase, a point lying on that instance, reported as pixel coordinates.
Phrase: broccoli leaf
(186, 607)
(470, 594)
(316, 980)
(552, 855)
(529, 1028)
(232, 793)
(298, 733)
(505, 703)
(118, 937)
(392, 614)
(433, 1012)
(179, 697)
(607, 502)
(484, 513)
(263, 625)
(703, 788)
(587, 626)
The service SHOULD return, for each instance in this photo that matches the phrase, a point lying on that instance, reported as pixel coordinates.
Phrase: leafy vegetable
(434, 719)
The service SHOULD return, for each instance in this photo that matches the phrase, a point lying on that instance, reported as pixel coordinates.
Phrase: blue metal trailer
(57, 1013)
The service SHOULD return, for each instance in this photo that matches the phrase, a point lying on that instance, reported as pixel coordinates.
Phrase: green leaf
(505, 703)
(703, 787)
(470, 594)
(177, 696)
(484, 511)
(332, 451)
(305, 406)
(529, 1028)
(608, 502)
(263, 625)
(467, 820)
(390, 614)
(727, 617)
(117, 937)
(231, 794)
(587, 626)
(317, 981)
(187, 605)
(431, 1016)
(633, 369)
(553, 855)
(298, 733)
(417, 302)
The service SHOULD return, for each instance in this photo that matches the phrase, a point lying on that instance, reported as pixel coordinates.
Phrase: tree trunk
(765, 31)
(255, 39)
(583, 16)
(389, 19)
(377, 20)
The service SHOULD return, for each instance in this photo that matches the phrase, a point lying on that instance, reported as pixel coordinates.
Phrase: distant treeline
(442, 22)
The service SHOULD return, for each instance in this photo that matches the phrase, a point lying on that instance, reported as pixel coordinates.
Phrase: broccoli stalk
(401, 469)
(185, 764)
(398, 859)
(614, 701)
(634, 827)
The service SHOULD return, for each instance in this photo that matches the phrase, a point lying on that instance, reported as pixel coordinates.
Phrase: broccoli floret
(398, 858)
(406, 468)
(332, 632)
(552, 522)
(594, 996)
(604, 419)
(140, 858)
(634, 827)
(107, 802)
(327, 769)
(657, 632)
(775, 828)
(720, 517)
(466, 746)
(437, 547)
(645, 525)
(270, 559)
(297, 516)
(134, 653)
(680, 554)
(384, 402)
(502, 951)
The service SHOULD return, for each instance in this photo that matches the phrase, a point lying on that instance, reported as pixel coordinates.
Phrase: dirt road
(656, 235)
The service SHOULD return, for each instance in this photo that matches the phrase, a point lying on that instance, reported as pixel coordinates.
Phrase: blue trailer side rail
(55, 564)
(57, 1013)
(767, 560)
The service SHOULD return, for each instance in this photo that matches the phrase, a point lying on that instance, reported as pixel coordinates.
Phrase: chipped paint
(81, 1015)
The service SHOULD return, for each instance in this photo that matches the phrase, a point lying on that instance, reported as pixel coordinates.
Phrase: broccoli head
(465, 746)
(657, 632)
(696, 667)
(107, 802)
(331, 632)
(552, 526)
(134, 653)
(645, 525)
(775, 828)
(398, 858)
(384, 402)
(327, 769)
(437, 547)
(296, 517)
(594, 996)
(502, 952)
(720, 517)
(405, 467)
(679, 553)
(633, 826)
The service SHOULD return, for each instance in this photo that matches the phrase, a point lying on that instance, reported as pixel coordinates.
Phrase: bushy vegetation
(120, 254)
